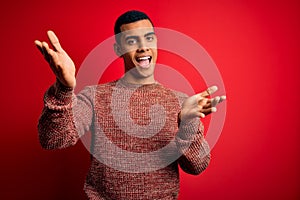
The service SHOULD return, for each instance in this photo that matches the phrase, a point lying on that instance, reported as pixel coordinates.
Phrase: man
(141, 130)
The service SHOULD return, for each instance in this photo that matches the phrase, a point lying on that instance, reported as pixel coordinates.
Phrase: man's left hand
(199, 105)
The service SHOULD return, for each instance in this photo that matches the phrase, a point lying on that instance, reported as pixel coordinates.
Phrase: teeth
(143, 58)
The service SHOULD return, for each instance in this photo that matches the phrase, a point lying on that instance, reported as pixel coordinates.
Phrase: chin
(142, 72)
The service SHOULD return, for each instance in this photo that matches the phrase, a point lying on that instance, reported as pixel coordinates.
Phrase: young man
(141, 131)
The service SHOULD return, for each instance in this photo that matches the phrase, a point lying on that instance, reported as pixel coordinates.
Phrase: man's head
(126, 18)
(136, 43)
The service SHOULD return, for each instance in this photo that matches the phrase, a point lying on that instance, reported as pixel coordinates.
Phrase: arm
(58, 125)
(55, 126)
(192, 146)
(65, 117)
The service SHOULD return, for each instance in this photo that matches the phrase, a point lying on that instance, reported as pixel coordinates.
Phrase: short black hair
(128, 17)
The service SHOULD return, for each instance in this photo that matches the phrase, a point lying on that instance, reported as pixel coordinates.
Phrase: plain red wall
(255, 46)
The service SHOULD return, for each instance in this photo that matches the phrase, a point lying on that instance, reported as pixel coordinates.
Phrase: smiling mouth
(144, 61)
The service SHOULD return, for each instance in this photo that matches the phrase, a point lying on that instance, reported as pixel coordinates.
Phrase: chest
(138, 120)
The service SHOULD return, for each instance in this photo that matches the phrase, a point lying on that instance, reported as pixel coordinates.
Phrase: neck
(129, 78)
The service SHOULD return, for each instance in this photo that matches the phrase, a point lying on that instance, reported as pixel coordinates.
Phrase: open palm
(59, 61)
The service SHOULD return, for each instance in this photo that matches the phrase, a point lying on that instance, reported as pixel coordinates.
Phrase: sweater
(138, 142)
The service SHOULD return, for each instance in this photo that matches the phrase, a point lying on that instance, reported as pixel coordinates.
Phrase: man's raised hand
(59, 61)
(199, 105)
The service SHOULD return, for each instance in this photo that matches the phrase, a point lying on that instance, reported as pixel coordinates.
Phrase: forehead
(140, 27)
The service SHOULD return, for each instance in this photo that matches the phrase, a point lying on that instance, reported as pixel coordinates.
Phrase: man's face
(138, 47)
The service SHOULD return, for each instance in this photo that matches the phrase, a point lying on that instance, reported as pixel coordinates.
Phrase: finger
(208, 111)
(209, 91)
(202, 102)
(222, 98)
(50, 52)
(54, 41)
(45, 46)
(215, 101)
(46, 51)
(202, 115)
(39, 45)
(209, 103)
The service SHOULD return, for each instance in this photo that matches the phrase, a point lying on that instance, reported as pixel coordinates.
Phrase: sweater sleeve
(65, 117)
(193, 148)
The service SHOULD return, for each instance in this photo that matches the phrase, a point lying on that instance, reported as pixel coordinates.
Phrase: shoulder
(181, 96)
(92, 90)
(105, 87)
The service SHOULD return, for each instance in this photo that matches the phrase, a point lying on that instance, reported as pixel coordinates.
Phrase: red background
(255, 46)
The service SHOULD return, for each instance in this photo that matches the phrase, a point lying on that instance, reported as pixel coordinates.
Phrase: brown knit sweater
(137, 141)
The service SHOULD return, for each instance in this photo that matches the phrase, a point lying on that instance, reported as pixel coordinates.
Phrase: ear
(117, 49)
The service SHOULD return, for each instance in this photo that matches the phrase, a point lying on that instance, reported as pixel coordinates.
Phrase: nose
(142, 46)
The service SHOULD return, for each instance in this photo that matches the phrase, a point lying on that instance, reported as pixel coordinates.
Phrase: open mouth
(144, 61)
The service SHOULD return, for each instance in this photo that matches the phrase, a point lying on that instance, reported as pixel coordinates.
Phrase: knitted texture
(137, 141)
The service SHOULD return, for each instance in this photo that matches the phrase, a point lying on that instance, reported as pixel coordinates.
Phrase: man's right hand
(59, 61)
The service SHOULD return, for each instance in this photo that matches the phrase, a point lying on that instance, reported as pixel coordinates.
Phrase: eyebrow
(150, 33)
(136, 37)
(131, 37)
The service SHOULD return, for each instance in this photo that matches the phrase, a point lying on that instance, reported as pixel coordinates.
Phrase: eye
(131, 41)
(149, 38)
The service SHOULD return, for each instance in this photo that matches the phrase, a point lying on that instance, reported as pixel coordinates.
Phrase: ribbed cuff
(58, 97)
(187, 130)
(62, 93)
